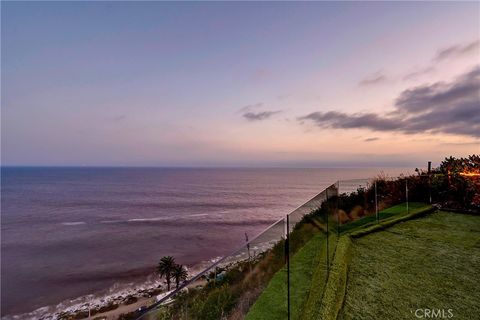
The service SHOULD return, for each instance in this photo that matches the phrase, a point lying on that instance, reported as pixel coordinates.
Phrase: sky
(310, 84)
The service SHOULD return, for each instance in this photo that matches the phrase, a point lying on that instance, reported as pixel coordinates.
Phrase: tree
(165, 269)
(179, 274)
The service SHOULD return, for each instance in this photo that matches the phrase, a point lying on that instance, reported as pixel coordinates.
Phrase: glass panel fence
(330, 210)
(263, 286)
(391, 197)
(355, 204)
(363, 202)
(420, 188)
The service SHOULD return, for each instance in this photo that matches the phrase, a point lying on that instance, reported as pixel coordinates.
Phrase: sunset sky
(312, 84)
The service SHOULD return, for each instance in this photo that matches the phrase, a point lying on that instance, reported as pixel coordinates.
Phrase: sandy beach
(142, 302)
(124, 309)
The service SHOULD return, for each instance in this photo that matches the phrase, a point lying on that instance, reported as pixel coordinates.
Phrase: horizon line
(207, 166)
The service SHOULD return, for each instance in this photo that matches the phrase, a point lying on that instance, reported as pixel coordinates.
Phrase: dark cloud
(457, 51)
(371, 139)
(249, 112)
(452, 108)
(256, 116)
(441, 95)
(337, 120)
(373, 79)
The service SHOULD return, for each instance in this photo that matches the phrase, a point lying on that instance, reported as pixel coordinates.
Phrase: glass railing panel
(306, 208)
(264, 289)
(420, 188)
(334, 222)
(355, 204)
(391, 197)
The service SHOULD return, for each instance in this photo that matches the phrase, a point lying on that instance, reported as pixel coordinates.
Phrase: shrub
(216, 305)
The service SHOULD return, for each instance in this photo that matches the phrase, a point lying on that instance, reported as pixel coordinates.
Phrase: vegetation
(325, 304)
(179, 273)
(456, 183)
(424, 263)
(165, 269)
(214, 305)
(168, 269)
(309, 271)
(272, 303)
(239, 287)
(384, 214)
(242, 282)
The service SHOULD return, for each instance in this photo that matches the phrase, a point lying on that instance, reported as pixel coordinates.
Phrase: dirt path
(124, 308)
(142, 302)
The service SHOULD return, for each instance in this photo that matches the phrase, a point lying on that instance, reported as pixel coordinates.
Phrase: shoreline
(141, 302)
(123, 298)
(127, 297)
(115, 300)
(110, 307)
(98, 305)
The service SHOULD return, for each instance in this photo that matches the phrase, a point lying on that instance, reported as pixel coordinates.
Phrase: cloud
(257, 116)
(442, 96)
(471, 143)
(261, 74)
(338, 120)
(417, 73)
(454, 51)
(249, 112)
(376, 78)
(250, 107)
(451, 108)
(118, 118)
(371, 139)
(457, 50)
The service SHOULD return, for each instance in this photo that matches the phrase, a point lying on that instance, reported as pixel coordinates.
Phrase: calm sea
(70, 232)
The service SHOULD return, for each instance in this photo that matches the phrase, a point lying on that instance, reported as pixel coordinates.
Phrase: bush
(215, 305)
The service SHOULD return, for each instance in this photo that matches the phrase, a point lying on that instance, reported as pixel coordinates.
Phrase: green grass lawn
(272, 303)
(309, 263)
(427, 263)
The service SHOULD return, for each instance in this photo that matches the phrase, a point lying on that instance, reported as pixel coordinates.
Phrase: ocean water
(87, 232)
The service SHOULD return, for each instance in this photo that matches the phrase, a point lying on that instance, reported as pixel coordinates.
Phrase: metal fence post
(336, 209)
(376, 202)
(248, 249)
(328, 230)
(406, 194)
(430, 188)
(287, 244)
(215, 276)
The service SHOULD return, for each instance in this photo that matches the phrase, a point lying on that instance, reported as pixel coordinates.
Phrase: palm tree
(165, 269)
(179, 274)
